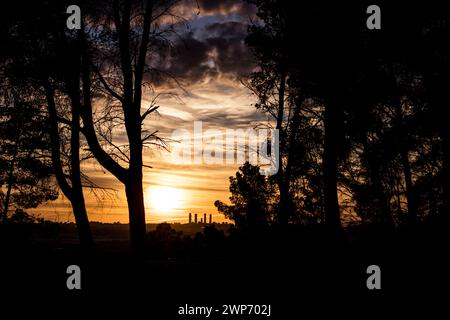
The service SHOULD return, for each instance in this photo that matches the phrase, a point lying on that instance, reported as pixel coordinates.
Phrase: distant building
(190, 217)
(195, 218)
(204, 217)
(210, 218)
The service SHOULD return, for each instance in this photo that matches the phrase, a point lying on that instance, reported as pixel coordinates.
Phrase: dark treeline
(361, 114)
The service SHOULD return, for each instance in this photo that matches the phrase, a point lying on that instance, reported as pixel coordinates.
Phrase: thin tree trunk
(82, 221)
(332, 214)
(410, 193)
(382, 210)
(283, 184)
(10, 182)
(404, 159)
(77, 200)
(445, 214)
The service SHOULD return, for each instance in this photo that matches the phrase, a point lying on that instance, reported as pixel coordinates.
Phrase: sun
(164, 199)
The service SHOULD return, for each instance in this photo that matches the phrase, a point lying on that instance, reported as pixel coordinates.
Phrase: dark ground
(299, 272)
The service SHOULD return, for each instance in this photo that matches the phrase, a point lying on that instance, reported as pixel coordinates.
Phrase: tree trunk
(77, 200)
(282, 179)
(284, 200)
(130, 100)
(332, 214)
(136, 210)
(133, 185)
(404, 158)
(73, 192)
(382, 210)
(410, 193)
(446, 177)
(10, 182)
(82, 221)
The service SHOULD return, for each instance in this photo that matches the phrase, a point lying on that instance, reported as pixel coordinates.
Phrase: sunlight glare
(164, 199)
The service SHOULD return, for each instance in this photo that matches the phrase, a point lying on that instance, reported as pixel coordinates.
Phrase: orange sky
(188, 187)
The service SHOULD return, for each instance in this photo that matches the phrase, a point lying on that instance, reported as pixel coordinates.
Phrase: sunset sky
(210, 59)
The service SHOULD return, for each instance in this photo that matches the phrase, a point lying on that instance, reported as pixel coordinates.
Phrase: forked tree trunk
(73, 191)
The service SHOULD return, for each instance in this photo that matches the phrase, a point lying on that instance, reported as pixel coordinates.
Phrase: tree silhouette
(322, 68)
(25, 166)
(106, 64)
(115, 51)
(271, 87)
(390, 117)
(38, 58)
(252, 198)
(365, 98)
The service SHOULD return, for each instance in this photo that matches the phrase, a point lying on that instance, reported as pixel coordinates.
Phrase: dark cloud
(233, 56)
(228, 29)
(218, 49)
(189, 60)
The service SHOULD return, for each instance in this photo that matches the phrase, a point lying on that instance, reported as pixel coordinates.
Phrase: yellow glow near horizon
(164, 199)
